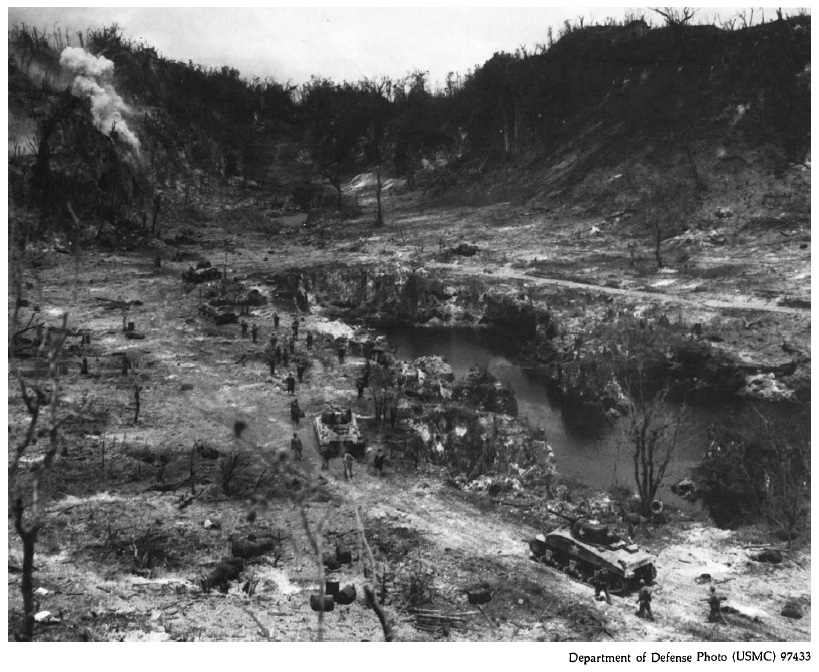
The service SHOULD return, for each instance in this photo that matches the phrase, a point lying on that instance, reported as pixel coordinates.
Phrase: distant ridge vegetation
(622, 101)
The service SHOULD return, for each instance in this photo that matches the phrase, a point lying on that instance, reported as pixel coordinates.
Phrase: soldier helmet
(642, 582)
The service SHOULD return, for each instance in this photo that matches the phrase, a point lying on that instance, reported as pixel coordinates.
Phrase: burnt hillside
(589, 122)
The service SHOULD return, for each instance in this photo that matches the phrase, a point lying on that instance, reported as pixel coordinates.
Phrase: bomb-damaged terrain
(138, 515)
(173, 503)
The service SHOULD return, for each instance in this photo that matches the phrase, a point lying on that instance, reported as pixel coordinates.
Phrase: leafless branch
(676, 16)
(369, 593)
(314, 536)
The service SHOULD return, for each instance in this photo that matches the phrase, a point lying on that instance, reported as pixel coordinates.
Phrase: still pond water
(588, 448)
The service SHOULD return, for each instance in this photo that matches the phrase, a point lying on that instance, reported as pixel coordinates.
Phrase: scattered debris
(47, 618)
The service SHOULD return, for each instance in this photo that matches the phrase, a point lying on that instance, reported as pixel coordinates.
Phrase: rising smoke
(92, 81)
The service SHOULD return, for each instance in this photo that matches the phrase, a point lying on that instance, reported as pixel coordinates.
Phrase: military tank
(337, 431)
(583, 546)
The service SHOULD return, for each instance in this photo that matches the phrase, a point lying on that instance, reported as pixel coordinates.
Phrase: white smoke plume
(92, 81)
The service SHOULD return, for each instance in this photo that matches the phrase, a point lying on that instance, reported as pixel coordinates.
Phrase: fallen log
(247, 548)
(515, 504)
(438, 612)
(779, 370)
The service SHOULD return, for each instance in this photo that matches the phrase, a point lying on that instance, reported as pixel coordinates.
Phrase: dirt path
(737, 302)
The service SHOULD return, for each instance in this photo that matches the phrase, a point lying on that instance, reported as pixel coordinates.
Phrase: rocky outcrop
(508, 313)
(479, 389)
(427, 379)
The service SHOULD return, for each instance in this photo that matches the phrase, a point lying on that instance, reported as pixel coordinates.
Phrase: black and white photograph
(379, 324)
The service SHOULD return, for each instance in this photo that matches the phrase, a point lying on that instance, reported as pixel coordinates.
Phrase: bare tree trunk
(137, 390)
(336, 182)
(157, 208)
(658, 240)
(379, 218)
(28, 535)
(410, 168)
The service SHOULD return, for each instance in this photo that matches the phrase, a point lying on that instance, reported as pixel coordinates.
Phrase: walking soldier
(644, 600)
(296, 447)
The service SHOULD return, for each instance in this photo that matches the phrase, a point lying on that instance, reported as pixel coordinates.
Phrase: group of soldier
(276, 354)
(601, 579)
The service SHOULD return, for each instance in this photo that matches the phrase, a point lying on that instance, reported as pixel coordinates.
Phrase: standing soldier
(550, 469)
(309, 340)
(359, 384)
(295, 328)
(272, 360)
(301, 367)
(274, 341)
(276, 320)
(632, 251)
(292, 345)
(600, 583)
(244, 329)
(254, 332)
(278, 353)
(378, 462)
(291, 383)
(341, 352)
(348, 465)
(715, 603)
(296, 447)
(644, 600)
(286, 358)
(295, 412)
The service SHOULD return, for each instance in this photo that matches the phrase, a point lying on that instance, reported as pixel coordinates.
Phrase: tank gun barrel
(563, 515)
